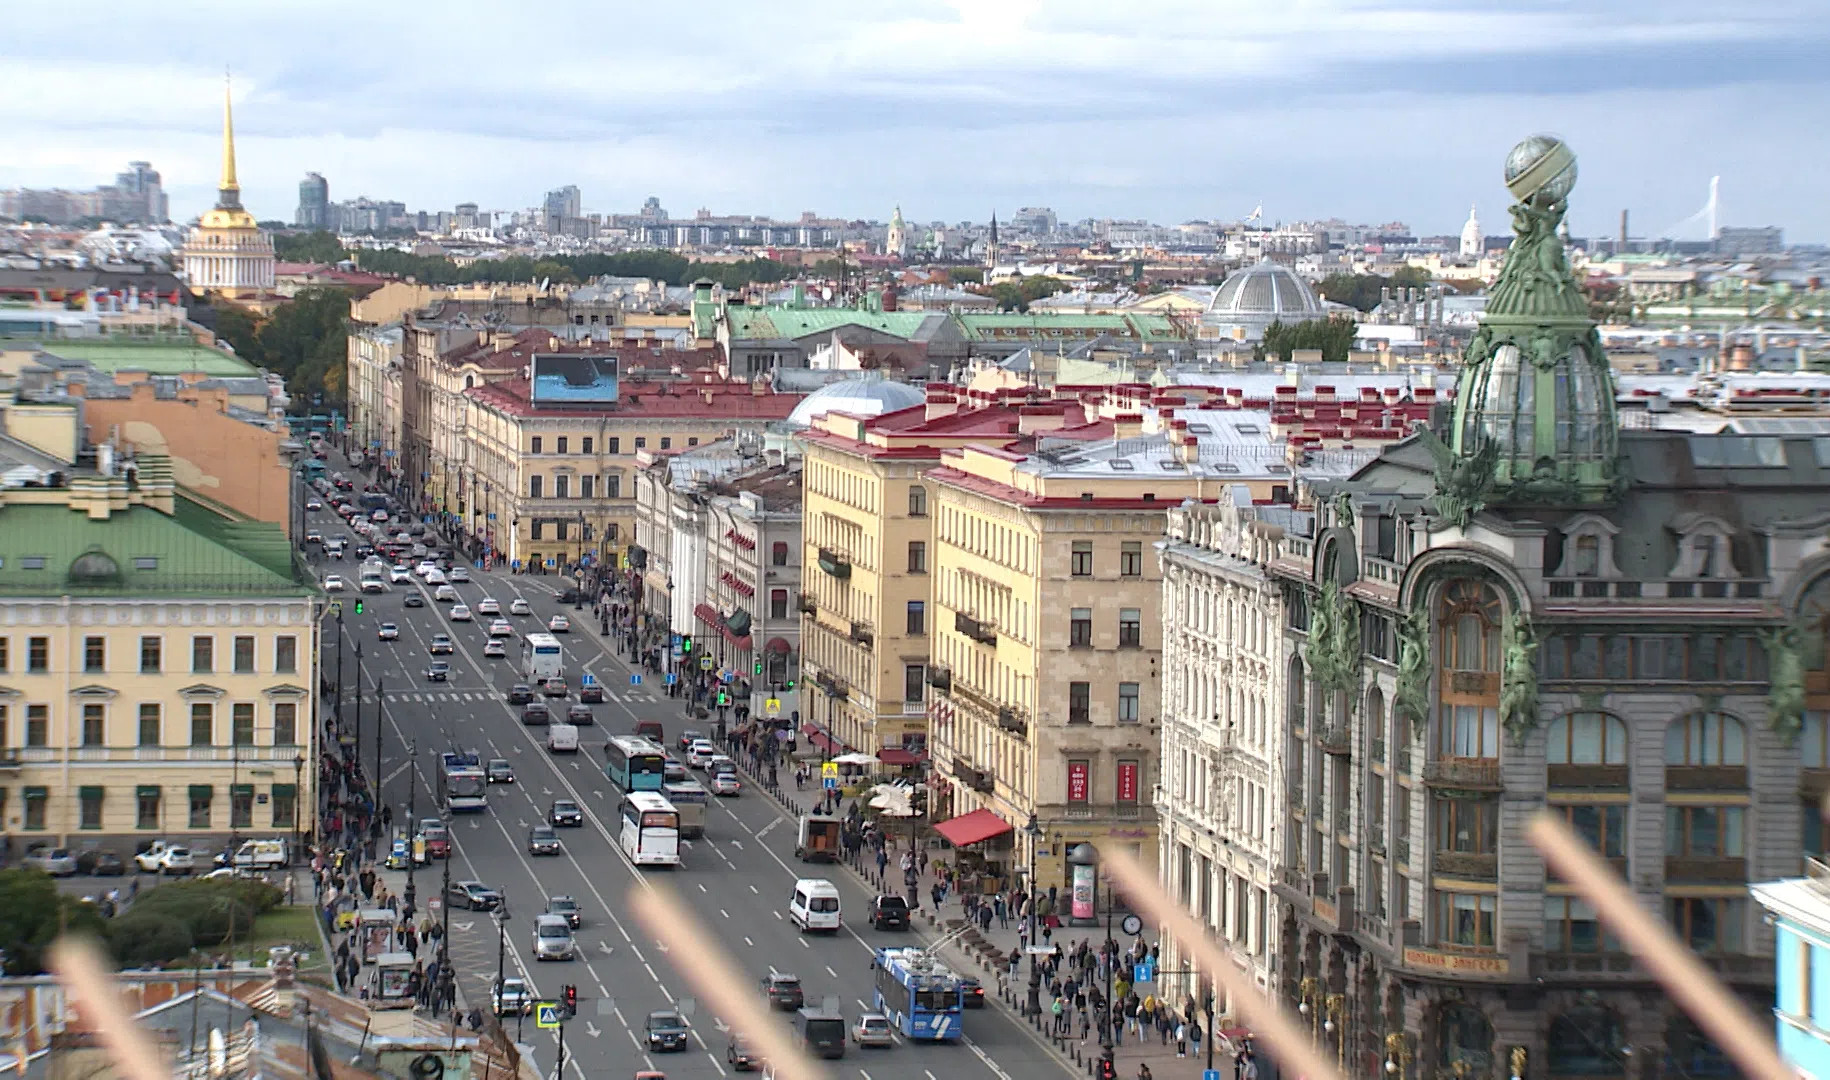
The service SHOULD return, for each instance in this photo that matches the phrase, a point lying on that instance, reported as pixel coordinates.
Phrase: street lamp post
(1398, 1055)
(337, 705)
(1088, 855)
(1309, 993)
(298, 774)
(1034, 831)
(412, 806)
(356, 731)
(378, 726)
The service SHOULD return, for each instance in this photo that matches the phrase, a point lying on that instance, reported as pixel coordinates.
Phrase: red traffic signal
(571, 998)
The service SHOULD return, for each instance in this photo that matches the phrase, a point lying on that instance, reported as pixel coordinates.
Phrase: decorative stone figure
(1519, 679)
(1786, 647)
(1413, 697)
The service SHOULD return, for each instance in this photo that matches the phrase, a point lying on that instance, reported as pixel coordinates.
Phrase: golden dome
(220, 217)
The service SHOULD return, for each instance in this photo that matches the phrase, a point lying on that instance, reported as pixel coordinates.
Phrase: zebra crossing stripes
(434, 696)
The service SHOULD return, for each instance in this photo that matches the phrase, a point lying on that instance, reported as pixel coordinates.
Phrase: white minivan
(561, 739)
(815, 905)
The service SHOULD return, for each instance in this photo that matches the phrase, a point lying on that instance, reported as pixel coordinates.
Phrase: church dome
(867, 395)
(1265, 291)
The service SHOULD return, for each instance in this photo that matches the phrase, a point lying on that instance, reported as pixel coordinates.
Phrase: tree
(235, 326)
(1333, 336)
(32, 914)
(318, 246)
(662, 265)
(139, 938)
(1361, 291)
(1410, 277)
(307, 342)
(965, 275)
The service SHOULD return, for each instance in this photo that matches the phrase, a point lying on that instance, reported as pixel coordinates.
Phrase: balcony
(1466, 866)
(835, 563)
(1586, 777)
(9, 760)
(861, 632)
(1583, 966)
(1343, 820)
(974, 778)
(1375, 839)
(1706, 778)
(940, 677)
(982, 632)
(1616, 863)
(1484, 683)
(807, 604)
(1705, 870)
(1334, 739)
(1405, 762)
(1013, 721)
(832, 686)
(1467, 774)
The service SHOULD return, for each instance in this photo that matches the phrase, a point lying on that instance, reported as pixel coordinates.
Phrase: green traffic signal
(686, 643)
(358, 607)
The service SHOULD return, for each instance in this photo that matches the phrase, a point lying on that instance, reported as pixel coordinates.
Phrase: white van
(561, 738)
(815, 905)
(263, 855)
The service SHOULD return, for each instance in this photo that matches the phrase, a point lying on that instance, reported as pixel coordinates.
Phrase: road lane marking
(831, 972)
(727, 914)
(750, 943)
(716, 1064)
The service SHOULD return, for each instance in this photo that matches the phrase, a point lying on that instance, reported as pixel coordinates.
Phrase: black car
(108, 864)
(666, 1031)
(592, 694)
(740, 1056)
(534, 714)
(566, 906)
(971, 994)
(889, 912)
(499, 771)
(570, 596)
(520, 694)
(542, 840)
(475, 895)
(413, 599)
(783, 990)
(566, 813)
(580, 715)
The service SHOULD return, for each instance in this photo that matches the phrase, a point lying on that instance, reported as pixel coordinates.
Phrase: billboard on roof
(573, 380)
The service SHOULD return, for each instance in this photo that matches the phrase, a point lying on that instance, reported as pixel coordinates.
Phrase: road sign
(674, 640)
(672, 678)
(1210, 1074)
(772, 706)
(635, 679)
(587, 679)
(547, 1014)
(830, 783)
(679, 654)
(705, 663)
(336, 608)
(829, 770)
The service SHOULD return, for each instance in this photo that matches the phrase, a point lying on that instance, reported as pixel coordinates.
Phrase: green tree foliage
(305, 341)
(664, 265)
(1333, 336)
(1361, 291)
(965, 275)
(32, 914)
(212, 910)
(312, 247)
(235, 326)
(138, 938)
(1018, 293)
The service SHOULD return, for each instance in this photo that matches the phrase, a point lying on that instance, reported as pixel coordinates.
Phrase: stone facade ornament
(1519, 679)
(1786, 649)
(1334, 639)
(1413, 697)
(1464, 482)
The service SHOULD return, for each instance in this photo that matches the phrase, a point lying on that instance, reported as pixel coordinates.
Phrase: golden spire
(230, 189)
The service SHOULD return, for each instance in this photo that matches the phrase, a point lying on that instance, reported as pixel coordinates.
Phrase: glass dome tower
(1534, 408)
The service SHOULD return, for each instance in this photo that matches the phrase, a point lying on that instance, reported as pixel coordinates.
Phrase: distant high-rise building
(135, 197)
(466, 216)
(314, 203)
(1034, 219)
(562, 205)
(651, 209)
(1471, 242)
(141, 194)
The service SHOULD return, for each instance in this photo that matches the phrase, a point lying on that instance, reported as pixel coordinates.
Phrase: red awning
(778, 645)
(896, 755)
(708, 614)
(741, 642)
(973, 828)
(810, 730)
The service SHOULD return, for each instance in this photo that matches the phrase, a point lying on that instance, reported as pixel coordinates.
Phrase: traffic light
(686, 643)
(789, 685)
(358, 605)
(756, 669)
(571, 999)
(1107, 1069)
(723, 698)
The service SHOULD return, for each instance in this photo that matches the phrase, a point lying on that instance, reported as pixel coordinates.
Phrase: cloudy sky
(1370, 110)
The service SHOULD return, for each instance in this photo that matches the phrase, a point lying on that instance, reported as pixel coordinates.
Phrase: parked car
(55, 861)
(100, 863)
(163, 858)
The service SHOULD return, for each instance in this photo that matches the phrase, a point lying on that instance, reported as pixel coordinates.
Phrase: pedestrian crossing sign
(829, 770)
(705, 663)
(547, 1014)
(672, 678)
(772, 706)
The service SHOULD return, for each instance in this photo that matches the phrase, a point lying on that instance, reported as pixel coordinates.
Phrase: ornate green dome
(1534, 407)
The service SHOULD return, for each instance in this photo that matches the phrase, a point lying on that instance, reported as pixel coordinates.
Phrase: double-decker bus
(634, 763)
(690, 798)
(919, 994)
(542, 658)
(651, 829)
(462, 787)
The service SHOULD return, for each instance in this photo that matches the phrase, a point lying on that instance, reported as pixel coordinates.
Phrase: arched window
(1295, 692)
(1706, 738)
(1466, 1036)
(1470, 627)
(1586, 1041)
(1375, 722)
(1587, 738)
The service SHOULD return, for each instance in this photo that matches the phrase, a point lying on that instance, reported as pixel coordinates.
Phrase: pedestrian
(1001, 911)
(1181, 1040)
(1058, 1009)
(1194, 1036)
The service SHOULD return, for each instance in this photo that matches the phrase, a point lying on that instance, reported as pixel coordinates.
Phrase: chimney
(941, 401)
(1127, 425)
(1623, 230)
(1189, 453)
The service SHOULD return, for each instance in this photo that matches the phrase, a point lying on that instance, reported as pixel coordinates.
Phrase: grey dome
(867, 395)
(1265, 291)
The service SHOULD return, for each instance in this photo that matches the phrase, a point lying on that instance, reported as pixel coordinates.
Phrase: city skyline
(953, 111)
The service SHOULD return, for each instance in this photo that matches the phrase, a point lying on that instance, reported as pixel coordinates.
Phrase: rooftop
(648, 400)
(156, 358)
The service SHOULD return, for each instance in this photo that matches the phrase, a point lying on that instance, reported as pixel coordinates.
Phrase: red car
(437, 838)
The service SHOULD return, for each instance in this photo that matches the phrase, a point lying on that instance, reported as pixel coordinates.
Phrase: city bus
(542, 658)
(462, 787)
(651, 829)
(689, 798)
(919, 994)
(633, 763)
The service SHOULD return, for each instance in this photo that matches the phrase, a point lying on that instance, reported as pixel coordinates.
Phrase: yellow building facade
(158, 671)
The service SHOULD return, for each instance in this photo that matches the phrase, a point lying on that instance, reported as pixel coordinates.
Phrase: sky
(1169, 110)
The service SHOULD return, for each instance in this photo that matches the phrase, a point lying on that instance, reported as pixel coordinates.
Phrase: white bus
(651, 829)
(541, 658)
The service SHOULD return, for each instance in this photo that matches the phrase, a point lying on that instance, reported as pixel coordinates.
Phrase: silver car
(57, 862)
(553, 938)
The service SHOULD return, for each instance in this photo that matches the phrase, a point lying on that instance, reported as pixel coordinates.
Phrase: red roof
(973, 828)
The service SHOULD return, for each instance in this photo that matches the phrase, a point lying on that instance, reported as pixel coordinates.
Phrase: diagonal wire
(1718, 1013)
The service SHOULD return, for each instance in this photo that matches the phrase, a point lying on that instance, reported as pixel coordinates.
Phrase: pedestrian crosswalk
(617, 697)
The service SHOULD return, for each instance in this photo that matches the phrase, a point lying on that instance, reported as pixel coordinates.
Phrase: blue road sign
(674, 640)
(587, 679)
(1210, 1074)
(1141, 973)
(672, 678)
(830, 782)
(635, 680)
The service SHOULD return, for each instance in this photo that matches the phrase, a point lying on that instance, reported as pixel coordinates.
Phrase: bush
(140, 938)
(206, 907)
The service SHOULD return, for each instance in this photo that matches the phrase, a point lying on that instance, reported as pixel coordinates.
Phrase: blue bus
(919, 995)
(633, 763)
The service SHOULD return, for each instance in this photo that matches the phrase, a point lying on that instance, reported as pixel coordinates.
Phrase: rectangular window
(241, 806)
(562, 486)
(286, 655)
(667, 443)
(641, 442)
(38, 725)
(36, 799)
(6, 651)
(1080, 703)
(1708, 924)
(918, 501)
(203, 723)
(778, 553)
(241, 717)
(917, 618)
(1130, 628)
(1604, 827)
(918, 557)
(152, 655)
(146, 808)
(1466, 919)
(38, 655)
(535, 486)
(244, 654)
(285, 723)
(562, 444)
(149, 724)
(1079, 780)
(1080, 561)
(559, 530)
(584, 444)
(913, 689)
(1127, 703)
(613, 486)
(285, 805)
(534, 529)
(584, 486)
(203, 655)
(200, 806)
(1706, 831)
(1801, 999)
(778, 603)
(1131, 559)
(1571, 926)
(1080, 628)
(95, 655)
(95, 726)
(90, 801)
(536, 445)
(616, 445)
(1467, 826)
(1470, 731)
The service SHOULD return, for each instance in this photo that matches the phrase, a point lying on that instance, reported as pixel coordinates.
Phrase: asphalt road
(736, 879)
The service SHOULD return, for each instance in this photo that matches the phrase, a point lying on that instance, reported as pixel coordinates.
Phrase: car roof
(552, 920)
(560, 898)
(783, 977)
(665, 1014)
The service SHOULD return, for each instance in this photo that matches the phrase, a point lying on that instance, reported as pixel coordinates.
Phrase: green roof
(51, 550)
(154, 358)
(979, 326)
(750, 323)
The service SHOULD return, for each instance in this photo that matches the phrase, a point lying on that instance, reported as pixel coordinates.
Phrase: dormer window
(1706, 555)
(1585, 560)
